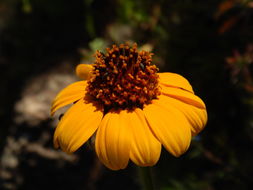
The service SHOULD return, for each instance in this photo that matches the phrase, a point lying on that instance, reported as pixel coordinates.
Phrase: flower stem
(146, 178)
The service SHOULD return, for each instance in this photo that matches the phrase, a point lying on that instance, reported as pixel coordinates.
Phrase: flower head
(130, 109)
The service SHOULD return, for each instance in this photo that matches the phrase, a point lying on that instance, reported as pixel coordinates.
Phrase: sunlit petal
(145, 148)
(169, 125)
(77, 125)
(183, 96)
(113, 140)
(83, 71)
(69, 95)
(196, 116)
(174, 80)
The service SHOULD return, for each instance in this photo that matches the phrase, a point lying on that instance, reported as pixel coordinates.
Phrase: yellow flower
(129, 108)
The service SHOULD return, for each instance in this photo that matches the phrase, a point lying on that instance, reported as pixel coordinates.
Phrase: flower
(129, 108)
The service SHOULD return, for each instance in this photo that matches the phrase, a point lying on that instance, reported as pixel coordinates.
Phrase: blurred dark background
(209, 42)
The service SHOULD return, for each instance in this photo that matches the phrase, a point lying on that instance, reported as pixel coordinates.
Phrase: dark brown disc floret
(123, 78)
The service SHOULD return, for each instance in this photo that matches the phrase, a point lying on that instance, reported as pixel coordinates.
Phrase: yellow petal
(83, 71)
(77, 125)
(169, 125)
(113, 140)
(145, 148)
(68, 95)
(197, 117)
(174, 80)
(183, 96)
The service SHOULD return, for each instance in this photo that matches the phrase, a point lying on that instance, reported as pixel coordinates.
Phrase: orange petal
(195, 116)
(183, 96)
(68, 95)
(174, 80)
(169, 126)
(83, 71)
(77, 125)
(145, 148)
(113, 140)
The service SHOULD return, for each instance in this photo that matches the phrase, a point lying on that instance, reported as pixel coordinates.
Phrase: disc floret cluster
(124, 78)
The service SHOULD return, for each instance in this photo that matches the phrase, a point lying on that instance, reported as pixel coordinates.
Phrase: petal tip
(83, 71)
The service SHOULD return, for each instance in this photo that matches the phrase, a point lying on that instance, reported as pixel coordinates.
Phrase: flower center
(124, 78)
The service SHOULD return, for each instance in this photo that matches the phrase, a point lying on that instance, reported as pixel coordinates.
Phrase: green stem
(146, 178)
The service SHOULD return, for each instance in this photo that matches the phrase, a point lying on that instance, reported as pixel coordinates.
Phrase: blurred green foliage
(193, 38)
